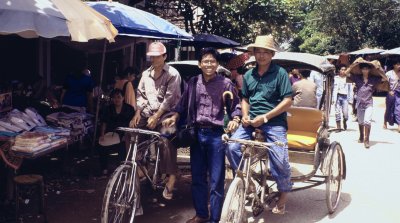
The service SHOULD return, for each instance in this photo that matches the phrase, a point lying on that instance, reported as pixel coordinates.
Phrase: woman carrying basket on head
(366, 75)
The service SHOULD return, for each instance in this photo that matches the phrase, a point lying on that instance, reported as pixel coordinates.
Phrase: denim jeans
(278, 156)
(208, 156)
(342, 107)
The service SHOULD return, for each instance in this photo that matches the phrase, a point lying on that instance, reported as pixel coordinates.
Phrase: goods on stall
(31, 141)
(10, 127)
(15, 113)
(34, 141)
(34, 115)
(17, 121)
(78, 123)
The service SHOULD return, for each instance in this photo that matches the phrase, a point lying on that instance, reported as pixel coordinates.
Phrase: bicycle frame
(250, 156)
(143, 146)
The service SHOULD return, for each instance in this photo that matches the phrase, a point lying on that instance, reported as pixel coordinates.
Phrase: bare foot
(282, 200)
(384, 125)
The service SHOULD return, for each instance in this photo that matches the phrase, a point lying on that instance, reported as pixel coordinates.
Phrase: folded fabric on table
(60, 131)
(30, 149)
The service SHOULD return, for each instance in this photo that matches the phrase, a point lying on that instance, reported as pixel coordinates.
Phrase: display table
(40, 153)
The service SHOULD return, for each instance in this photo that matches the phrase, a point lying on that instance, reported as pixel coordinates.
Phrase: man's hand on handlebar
(246, 121)
(232, 126)
(152, 122)
(169, 122)
(257, 121)
(135, 121)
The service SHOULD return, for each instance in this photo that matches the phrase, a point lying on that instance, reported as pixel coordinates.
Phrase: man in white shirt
(341, 91)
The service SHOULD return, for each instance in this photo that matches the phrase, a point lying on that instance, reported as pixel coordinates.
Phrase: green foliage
(315, 26)
(352, 25)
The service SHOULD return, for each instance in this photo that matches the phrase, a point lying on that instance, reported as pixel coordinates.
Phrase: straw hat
(376, 68)
(237, 61)
(109, 139)
(265, 42)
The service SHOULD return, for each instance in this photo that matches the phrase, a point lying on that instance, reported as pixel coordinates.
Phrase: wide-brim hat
(264, 42)
(109, 139)
(237, 61)
(376, 68)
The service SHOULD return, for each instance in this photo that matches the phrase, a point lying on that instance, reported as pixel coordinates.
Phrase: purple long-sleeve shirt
(209, 103)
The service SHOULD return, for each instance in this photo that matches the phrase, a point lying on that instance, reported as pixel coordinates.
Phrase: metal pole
(98, 98)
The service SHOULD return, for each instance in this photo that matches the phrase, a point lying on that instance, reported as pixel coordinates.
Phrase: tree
(239, 20)
(348, 25)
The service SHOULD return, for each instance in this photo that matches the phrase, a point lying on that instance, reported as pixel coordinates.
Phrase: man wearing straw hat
(267, 94)
(366, 76)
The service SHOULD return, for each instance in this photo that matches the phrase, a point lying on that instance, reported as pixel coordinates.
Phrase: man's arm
(335, 90)
(141, 99)
(283, 106)
(172, 94)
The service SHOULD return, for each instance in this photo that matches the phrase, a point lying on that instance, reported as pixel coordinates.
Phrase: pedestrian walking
(341, 93)
(366, 76)
(392, 112)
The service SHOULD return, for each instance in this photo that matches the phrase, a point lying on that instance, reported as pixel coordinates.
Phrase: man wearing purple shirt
(209, 153)
(366, 84)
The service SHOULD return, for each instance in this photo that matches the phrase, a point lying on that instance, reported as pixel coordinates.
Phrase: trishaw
(313, 158)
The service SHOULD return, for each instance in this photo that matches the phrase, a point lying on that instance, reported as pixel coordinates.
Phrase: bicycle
(122, 196)
(253, 153)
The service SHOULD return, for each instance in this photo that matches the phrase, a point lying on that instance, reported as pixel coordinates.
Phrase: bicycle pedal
(257, 210)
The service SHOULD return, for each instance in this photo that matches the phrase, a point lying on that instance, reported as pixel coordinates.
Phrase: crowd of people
(159, 104)
(261, 90)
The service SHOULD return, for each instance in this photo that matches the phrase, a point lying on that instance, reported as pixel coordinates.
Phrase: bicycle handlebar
(245, 142)
(140, 131)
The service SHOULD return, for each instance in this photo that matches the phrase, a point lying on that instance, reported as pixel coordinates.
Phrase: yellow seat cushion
(303, 125)
(301, 140)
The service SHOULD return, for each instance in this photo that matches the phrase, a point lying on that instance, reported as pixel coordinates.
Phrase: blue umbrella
(210, 40)
(138, 23)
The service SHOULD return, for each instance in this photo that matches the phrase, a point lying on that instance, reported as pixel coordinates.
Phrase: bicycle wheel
(233, 208)
(121, 196)
(334, 176)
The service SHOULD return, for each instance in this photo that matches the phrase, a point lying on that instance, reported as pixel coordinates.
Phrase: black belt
(342, 94)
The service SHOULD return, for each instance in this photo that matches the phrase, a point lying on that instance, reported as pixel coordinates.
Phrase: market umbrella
(395, 51)
(137, 23)
(210, 40)
(56, 18)
(366, 51)
(332, 57)
(53, 18)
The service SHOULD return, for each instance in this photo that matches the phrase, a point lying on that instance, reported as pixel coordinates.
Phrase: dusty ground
(369, 192)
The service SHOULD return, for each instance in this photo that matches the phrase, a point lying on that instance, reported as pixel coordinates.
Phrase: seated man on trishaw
(267, 94)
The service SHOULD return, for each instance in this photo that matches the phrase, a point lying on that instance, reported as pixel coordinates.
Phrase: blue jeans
(208, 155)
(342, 107)
(278, 156)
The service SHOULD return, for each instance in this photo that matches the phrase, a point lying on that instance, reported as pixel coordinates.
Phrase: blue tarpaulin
(131, 21)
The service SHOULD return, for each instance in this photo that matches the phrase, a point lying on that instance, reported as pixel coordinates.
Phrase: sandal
(167, 194)
(277, 210)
